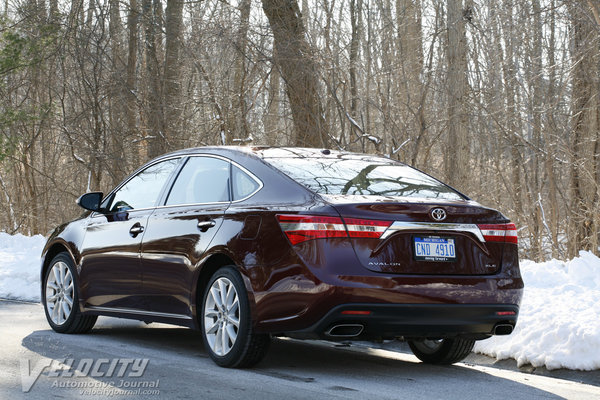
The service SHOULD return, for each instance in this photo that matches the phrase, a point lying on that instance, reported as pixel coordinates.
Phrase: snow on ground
(20, 266)
(558, 326)
(559, 319)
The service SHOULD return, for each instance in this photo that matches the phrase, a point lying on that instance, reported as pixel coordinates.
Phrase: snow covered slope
(20, 266)
(559, 320)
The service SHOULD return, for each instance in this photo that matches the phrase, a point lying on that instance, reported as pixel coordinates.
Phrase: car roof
(265, 152)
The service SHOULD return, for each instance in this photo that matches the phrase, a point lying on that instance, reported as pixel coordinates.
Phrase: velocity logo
(86, 367)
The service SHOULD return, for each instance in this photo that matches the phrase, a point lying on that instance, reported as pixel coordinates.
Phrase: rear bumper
(386, 321)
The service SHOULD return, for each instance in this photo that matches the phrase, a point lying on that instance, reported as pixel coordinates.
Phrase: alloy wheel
(59, 293)
(221, 316)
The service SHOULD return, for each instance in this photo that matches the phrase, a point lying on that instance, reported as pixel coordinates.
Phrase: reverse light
(366, 228)
(300, 228)
(506, 233)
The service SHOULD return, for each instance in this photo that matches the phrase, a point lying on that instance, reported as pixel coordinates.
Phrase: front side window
(202, 180)
(142, 190)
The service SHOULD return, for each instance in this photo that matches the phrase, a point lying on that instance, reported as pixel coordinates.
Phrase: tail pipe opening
(345, 330)
(503, 329)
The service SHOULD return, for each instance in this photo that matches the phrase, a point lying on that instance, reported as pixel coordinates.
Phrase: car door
(181, 230)
(110, 275)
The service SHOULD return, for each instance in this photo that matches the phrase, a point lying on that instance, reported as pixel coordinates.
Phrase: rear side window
(142, 190)
(362, 175)
(243, 184)
(202, 180)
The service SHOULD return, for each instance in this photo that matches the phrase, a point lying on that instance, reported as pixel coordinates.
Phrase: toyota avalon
(249, 243)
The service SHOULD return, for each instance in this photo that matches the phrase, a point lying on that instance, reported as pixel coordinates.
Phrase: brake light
(506, 233)
(300, 228)
(366, 228)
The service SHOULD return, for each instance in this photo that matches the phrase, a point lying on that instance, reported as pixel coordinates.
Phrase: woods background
(499, 97)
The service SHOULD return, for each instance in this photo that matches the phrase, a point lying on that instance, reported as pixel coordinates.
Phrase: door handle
(206, 225)
(136, 229)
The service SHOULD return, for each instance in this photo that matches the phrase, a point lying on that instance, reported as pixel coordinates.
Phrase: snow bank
(20, 266)
(559, 319)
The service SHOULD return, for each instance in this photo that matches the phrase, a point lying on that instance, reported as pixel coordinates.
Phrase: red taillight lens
(356, 312)
(300, 228)
(506, 233)
(504, 313)
(366, 228)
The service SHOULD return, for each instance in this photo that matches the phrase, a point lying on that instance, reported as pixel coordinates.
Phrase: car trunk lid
(407, 236)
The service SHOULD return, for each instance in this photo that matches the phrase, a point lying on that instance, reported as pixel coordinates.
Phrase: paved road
(180, 368)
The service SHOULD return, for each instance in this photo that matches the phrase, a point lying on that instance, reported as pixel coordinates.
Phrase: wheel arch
(55, 249)
(208, 267)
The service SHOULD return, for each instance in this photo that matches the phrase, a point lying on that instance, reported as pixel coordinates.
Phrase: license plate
(430, 248)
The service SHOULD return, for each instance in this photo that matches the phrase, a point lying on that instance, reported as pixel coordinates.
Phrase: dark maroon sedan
(249, 243)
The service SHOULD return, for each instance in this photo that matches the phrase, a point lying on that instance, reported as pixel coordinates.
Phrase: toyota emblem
(438, 214)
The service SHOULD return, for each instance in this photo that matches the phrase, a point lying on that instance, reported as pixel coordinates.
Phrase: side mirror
(90, 201)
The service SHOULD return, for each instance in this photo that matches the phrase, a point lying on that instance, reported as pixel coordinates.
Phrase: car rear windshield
(362, 175)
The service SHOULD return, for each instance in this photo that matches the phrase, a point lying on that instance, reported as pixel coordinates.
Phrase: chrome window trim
(192, 204)
(134, 311)
(250, 174)
(181, 156)
(133, 175)
(99, 214)
(399, 226)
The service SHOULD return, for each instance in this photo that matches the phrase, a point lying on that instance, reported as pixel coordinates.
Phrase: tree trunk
(131, 81)
(118, 99)
(584, 145)
(272, 111)
(536, 110)
(355, 23)
(155, 131)
(550, 139)
(457, 162)
(172, 74)
(240, 124)
(298, 70)
(412, 92)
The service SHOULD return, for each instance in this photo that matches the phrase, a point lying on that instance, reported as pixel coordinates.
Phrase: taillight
(506, 233)
(366, 228)
(300, 228)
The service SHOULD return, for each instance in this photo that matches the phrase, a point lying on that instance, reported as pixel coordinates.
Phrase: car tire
(60, 297)
(226, 323)
(441, 351)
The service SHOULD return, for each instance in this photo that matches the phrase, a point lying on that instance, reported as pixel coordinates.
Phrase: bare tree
(172, 74)
(458, 154)
(498, 96)
(298, 69)
(585, 149)
(154, 115)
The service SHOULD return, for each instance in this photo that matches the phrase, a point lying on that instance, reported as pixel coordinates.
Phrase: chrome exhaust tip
(503, 329)
(345, 330)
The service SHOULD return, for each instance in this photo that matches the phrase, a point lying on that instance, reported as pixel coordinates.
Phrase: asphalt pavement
(128, 359)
